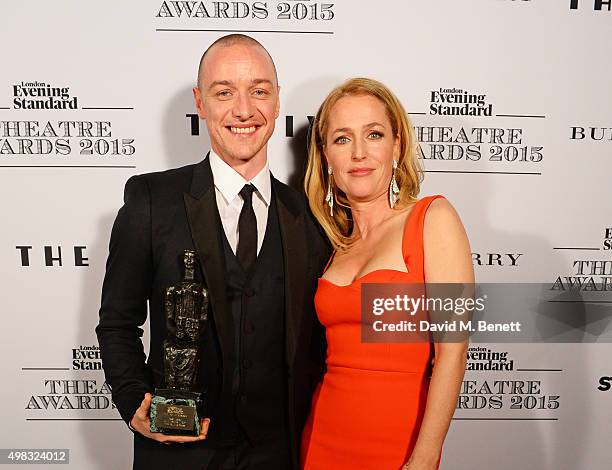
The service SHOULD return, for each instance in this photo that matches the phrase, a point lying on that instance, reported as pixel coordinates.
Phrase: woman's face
(360, 147)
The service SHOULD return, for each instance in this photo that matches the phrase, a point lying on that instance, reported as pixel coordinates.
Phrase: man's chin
(239, 156)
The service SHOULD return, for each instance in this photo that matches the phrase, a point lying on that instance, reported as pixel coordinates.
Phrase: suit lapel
(205, 226)
(291, 221)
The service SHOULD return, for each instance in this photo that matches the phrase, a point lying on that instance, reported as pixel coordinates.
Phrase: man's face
(238, 96)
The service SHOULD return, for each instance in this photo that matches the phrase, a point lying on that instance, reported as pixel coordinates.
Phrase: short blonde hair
(409, 173)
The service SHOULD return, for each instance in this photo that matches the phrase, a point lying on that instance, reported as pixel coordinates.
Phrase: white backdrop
(536, 207)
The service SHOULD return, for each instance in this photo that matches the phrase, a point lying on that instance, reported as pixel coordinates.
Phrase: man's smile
(242, 129)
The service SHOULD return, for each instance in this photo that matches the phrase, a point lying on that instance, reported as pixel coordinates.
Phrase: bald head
(238, 97)
(233, 40)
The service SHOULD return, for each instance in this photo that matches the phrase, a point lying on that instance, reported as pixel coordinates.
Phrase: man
(259, 257)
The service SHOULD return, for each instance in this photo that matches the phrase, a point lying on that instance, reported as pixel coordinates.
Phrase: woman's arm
(447, 260)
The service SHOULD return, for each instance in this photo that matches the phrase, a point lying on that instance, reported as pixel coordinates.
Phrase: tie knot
(247, 192)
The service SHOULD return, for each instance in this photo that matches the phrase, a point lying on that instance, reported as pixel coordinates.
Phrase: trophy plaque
(177, 407)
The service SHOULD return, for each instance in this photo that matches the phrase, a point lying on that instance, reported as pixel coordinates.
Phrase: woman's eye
(375, 135)
(341, 140)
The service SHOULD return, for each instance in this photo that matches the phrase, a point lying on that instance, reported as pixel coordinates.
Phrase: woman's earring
(393, 188)
(329, 198)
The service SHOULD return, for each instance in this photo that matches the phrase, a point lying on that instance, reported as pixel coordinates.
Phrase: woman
(377, 407)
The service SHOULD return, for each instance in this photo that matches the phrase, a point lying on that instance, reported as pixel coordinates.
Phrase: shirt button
(243, 398)
(249, 291)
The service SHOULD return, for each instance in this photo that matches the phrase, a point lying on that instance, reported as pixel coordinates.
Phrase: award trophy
(176, 408)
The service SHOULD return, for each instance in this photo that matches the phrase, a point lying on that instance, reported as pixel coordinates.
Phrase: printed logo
(41, 95)
(458, 102)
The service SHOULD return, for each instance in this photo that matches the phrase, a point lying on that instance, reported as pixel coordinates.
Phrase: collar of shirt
(229, 182)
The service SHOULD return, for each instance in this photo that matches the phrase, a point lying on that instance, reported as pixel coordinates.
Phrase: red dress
(367, 411)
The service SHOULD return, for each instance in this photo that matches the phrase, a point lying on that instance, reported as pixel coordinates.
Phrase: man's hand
(142, 423)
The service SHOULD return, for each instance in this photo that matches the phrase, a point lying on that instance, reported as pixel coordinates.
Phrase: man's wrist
(132, 428)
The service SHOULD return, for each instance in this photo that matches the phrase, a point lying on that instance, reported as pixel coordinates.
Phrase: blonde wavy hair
(408, 175)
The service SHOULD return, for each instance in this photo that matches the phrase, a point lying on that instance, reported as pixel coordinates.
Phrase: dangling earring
(393, 187)
(329, 198)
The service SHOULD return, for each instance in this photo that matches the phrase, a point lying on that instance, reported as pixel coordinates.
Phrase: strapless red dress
(367, 411)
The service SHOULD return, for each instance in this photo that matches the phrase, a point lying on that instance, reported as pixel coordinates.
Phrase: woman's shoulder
(445, 244)
(433, 199)
(439, 213)
(434, 208)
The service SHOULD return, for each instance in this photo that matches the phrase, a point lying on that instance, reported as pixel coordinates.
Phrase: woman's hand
(414, 464)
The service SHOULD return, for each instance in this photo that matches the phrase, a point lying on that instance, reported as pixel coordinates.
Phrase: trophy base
(175, 413)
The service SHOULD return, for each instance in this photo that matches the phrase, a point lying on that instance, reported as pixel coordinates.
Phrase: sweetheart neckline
(406, 223)
(363, 276)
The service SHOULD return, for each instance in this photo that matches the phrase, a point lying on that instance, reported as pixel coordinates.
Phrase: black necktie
(247, 230)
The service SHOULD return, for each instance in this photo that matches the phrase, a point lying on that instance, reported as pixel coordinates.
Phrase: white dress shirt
(228, 183)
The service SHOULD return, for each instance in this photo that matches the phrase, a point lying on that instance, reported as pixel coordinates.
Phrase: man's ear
(199, 102)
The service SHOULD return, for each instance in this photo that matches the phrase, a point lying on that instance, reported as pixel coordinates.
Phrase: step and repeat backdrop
(512, 104)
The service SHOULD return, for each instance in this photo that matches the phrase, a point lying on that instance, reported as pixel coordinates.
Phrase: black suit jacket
(165, 213)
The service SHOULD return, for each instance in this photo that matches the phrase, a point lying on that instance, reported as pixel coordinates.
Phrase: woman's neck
(367, 215)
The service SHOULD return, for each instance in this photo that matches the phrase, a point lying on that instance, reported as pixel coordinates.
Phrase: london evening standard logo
(454, 140)
(307, 10)
(484, 358)
(41, 95)
(86, 358)
(458, 102)
(493, 384)
(86, 392)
